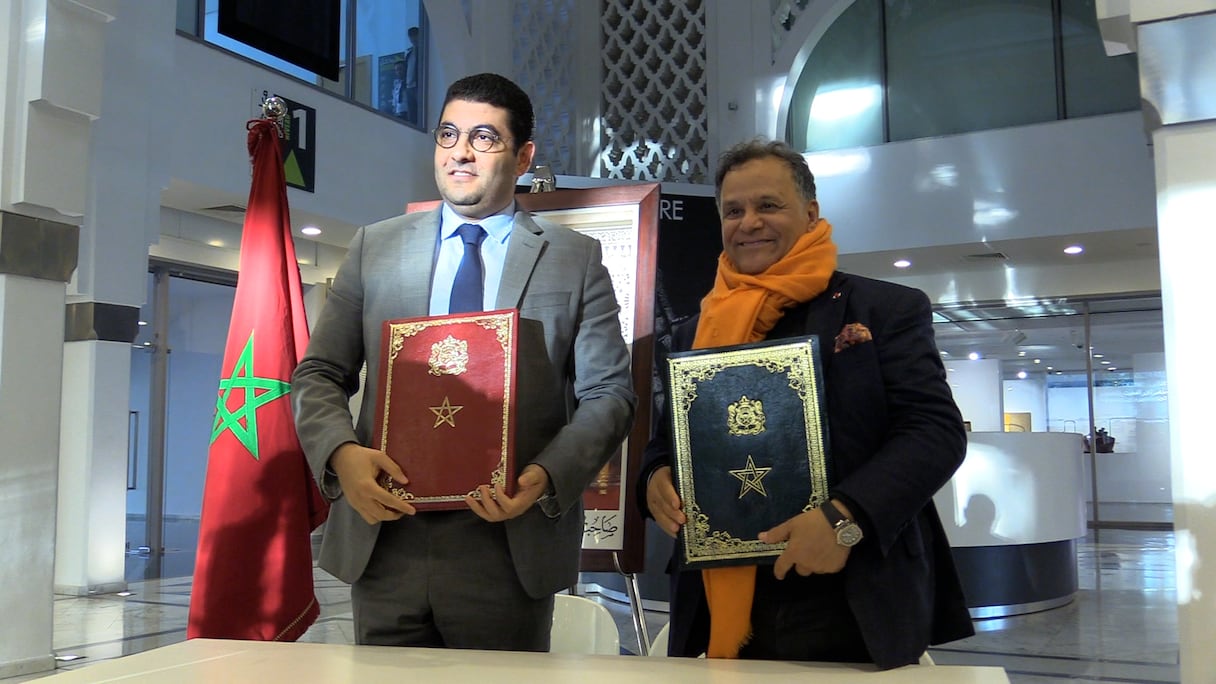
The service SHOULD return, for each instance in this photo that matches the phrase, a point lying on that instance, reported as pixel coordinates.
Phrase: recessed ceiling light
(1098, 356)
(1112, 368)
(310, 230)
(902, 263)
(143, 323)
(1038, 361)
(1074, 249)
(216, 243)
(1105, 363)
(1050, 368)
(1022, 353)
(974, 356)
(1021, 375)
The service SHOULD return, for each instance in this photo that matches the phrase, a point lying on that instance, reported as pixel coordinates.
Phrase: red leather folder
(446, 408)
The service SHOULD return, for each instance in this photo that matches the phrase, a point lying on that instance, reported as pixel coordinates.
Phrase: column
(44, 142)
(36, 259)
(1178, 82)
(129, 144)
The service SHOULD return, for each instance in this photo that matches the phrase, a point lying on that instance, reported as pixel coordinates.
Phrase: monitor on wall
(303, 32)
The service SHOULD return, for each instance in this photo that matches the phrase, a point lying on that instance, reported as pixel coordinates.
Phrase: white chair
(581, 625)
(658, 647)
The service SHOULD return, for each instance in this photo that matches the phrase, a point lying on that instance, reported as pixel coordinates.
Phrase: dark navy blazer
(896, 436)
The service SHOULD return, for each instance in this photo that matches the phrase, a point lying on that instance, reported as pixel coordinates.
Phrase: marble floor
(1121, 627)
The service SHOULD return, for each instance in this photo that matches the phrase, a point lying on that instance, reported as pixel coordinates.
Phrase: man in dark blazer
(873, 579)
(483, 577)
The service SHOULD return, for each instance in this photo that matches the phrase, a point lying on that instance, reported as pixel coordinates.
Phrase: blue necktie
(467, 292)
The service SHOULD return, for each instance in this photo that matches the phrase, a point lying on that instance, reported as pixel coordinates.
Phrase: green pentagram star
(258, 392)
(751, 477)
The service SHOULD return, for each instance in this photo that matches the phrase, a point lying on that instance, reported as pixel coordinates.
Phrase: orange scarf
(744, 308)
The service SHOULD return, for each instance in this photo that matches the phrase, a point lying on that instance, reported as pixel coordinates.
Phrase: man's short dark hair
(759, 148)
(497, 91)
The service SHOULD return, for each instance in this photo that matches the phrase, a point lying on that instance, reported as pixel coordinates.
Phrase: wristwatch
(848, 533)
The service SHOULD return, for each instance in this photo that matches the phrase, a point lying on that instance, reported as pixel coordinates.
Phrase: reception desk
(206, 661)
(1013, 513)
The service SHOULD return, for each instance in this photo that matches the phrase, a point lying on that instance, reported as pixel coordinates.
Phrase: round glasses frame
(480, 138)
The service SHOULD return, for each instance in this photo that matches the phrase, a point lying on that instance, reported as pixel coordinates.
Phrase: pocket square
(851, 334)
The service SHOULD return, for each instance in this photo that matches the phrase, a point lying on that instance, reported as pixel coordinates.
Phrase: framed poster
(390, 71)
(625, 219)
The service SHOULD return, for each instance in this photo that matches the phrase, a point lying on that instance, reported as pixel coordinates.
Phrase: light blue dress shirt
(451, 250)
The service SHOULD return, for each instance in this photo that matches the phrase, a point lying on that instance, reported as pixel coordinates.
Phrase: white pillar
(1178, 85)
(1186, 185)
(36, 258)
(46, 110)
(128, 145)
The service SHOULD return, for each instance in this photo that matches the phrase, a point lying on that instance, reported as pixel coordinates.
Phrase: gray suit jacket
(575, 400)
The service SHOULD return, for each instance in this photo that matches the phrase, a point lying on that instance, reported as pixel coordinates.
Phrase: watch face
(848, 534)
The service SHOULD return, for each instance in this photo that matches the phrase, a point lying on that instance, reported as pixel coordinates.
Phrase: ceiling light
(1074, 249)
(1098, 356)
(902, 263)
(1021, 375)
(1022, 353)
(1112, 368)
(1105, 363)
(216, 243)
(974, 356)
(143, 323)
(1038, 361)
(310, 230)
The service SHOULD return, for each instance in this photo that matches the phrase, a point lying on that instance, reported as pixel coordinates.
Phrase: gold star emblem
(445, 413)
(751, 477)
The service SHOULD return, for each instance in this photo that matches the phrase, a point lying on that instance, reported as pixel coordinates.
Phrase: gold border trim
(797, 361)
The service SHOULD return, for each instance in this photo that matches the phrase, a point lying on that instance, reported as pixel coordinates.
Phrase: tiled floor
(1122, 627)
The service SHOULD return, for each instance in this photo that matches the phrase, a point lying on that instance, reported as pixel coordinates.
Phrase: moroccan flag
(253, 573)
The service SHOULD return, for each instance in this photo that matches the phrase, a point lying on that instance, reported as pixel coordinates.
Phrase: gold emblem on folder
(445, 413)
(449, 356)
(745, 417)
(751, 477)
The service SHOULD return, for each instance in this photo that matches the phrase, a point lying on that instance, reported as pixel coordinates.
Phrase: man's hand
(357, 468)
(664, 502)
(495, 506)
(812, 548)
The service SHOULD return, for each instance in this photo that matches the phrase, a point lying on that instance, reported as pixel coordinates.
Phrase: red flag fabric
(253, 571)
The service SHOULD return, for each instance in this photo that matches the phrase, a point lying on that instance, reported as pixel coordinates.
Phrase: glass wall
(968, 65)
(1092, 367)
(384, 60)
(194, 333)
(889, 70)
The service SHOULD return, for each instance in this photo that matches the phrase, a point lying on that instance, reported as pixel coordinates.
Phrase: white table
(236, 662)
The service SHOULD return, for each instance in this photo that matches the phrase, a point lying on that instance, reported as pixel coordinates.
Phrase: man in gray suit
(483, 577)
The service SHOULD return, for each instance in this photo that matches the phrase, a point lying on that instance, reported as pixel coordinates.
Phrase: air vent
(229, 208)
(987, 256)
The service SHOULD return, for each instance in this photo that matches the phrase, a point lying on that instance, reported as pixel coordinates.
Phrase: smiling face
(478, 184)
(763, 214)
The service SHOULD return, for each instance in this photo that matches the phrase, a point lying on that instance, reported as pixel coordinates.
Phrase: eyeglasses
(481, 138)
